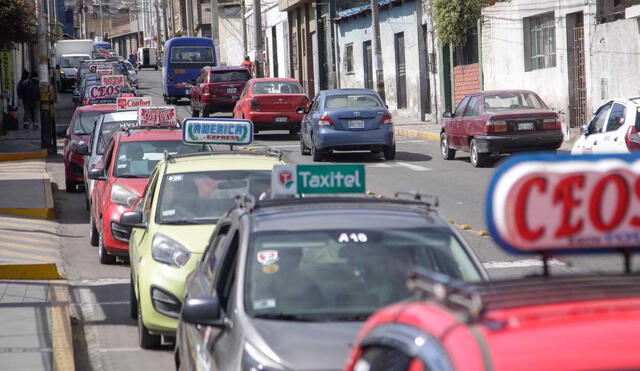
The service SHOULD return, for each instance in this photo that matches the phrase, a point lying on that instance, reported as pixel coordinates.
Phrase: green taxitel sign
(318, 179)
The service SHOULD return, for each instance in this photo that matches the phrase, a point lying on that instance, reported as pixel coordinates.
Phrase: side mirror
(97, 173)
(301, 110)
(79, 147)
(447, 115)
(584, 129)
(132, 219)
(203, 311)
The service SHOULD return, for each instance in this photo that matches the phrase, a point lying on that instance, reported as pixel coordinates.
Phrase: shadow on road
(412, 156)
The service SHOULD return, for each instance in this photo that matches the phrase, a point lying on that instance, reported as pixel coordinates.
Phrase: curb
(61, 334)
(42, 271)
(417, 134)
(23, 155)
(47, 212)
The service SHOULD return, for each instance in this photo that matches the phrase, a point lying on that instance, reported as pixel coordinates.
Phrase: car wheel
(93, 232)
(205, 113)
(133, 301)
(316, 153)
(477, 159)
(70, 186)
(194, 112)
(304, 150)
(145, 338)
(103, 256)
(293, 132)
(390, 152)
(447, 152)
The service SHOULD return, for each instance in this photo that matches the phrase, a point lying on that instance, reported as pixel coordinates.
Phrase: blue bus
(183, 59)
(101, 45)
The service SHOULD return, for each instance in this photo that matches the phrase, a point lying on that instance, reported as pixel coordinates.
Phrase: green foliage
(453, 19)
(18, 18)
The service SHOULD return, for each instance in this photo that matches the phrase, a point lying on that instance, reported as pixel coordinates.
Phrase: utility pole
(47, 134)
(257, 21)
(189, 5)
(164, 20)
(377, 49)
(158, 35)
(101, 17)
(215, 32)
(244, 28)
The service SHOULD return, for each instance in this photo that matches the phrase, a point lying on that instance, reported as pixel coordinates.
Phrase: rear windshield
(86, 121)
(277, 87)
(352, 101)
(229, 76)
(108, 129)
(192, 54)
(73, 62)
(512, 101)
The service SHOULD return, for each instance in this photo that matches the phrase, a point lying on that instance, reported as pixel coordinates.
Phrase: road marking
(19, 237)
(29, 248)
(526, 263)
(403, 164)
(100, 282)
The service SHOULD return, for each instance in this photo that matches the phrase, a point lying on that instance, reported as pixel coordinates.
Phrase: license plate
(526, 126)
(282, 119)
(356, 124)
(232, 90)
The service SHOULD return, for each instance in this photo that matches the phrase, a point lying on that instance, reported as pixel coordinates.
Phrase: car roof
(140, 135)
(216, 161)
(274, 79)
(121, 116)
(348, 90)
(74, 55)
(96, 107)
(227, 68)
(506, 91)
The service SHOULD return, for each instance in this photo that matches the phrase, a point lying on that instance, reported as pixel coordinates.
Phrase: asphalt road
(105, 338)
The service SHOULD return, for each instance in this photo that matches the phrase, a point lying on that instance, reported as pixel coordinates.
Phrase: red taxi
(271, 104)
(543, 204)
(79, 130)
(217, 89)
(121, 179)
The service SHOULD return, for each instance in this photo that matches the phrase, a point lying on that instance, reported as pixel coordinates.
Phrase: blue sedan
(347, 120)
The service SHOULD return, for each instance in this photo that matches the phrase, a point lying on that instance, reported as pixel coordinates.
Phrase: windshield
(204, 197)
(86, 121)
(73, 62)
(192, 54)
(344, 274)
(276, 87)
(107, 129)
(138, 159)
(129, 67)
(229, 76)
(512, 101)
(352, 101)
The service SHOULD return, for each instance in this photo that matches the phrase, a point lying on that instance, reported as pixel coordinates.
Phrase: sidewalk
(431, 131)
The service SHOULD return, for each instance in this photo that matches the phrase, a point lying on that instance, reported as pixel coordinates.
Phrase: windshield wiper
(356, 317)
(181, 222)
(130, 176)
(286, 317)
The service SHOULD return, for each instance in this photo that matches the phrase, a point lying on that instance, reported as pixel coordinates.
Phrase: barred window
(539, 42)
(348, 58)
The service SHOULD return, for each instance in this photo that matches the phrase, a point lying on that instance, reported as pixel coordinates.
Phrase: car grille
(165, 302)
(120, 232)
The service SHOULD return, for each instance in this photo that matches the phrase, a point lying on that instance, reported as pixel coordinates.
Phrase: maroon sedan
(499, 122)
(217, 89)
(79, 130)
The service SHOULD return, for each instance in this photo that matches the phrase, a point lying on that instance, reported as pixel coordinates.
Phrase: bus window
(192, 54)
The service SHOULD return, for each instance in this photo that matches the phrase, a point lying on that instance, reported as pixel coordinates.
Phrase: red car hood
(135, 184)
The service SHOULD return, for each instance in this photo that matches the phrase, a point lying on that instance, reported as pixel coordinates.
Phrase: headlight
(254, 360)
(123, 196)
(167, 251)
(61, 72)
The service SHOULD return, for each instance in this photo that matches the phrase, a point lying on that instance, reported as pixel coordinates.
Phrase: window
(138, 159)
(616, 119)
(461, 107)
(229, 76)
(597, 122)
(348, 58)
(539, 42)
(192, 54)
(86, 121)
(473, 108)
(277, 87)
(512, 101)
(352, 101)
(215, 248)
(612, 10)
(148, 198)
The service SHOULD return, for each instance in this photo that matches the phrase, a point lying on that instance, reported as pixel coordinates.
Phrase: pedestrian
(29, 91)
(248, 64)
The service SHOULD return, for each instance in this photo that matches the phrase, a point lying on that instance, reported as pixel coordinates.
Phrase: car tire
(447, 152)
(205, 113)
(304, 150)
(103, 256)
(145, 338)
(293, 132)
(70, 187)
(194, 112)
(477, 159)
(133, 301)
(390, 152)
(156, 68)
(93, 232)
(316, 153)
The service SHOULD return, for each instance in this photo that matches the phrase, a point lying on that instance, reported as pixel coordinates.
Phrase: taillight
(207, 90)
(386, 120)
(325, 120)
(551, 124)
(632, 139)
(495, 126)
(255, 104)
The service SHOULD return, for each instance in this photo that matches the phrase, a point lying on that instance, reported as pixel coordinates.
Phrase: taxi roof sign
(546, 203)
(157, 116)
(217, 131)
(128, 103)
(317, 179)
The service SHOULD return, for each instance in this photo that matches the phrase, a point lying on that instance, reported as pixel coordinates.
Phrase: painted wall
(230, 29)
(279, 20)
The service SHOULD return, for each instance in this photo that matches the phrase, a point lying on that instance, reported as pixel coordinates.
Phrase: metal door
(401, 71)
(579, 104)
(368, 64)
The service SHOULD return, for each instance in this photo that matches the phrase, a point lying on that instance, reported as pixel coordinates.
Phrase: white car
(613, 129)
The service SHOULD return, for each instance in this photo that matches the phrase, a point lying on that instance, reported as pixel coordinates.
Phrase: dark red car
(271, 104)
(499, 122)
(80, 128)
(217, 89)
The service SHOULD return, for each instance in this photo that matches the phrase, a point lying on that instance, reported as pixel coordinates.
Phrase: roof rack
(292, 200)
(475, 298)
(272, 153)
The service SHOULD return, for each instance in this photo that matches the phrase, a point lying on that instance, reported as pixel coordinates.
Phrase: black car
(286, 284)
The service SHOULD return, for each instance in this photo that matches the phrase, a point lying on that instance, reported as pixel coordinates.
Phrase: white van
(148, 57)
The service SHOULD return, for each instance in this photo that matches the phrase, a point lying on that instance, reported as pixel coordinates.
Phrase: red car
(271, 104)
(121, 178)
(217, 89)
(498, 122)
(79, 130)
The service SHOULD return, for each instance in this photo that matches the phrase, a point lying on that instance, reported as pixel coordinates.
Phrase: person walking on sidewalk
(248, 64)
(29, 91)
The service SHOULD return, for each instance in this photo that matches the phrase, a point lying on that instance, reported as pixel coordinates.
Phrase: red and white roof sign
(157, 116)
(127, 103)
(113, 80)
(104, 92)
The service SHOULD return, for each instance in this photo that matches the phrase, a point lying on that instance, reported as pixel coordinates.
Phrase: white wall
(230, 49)
(275, 18)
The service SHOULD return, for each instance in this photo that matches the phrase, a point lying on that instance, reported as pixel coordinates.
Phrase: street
(105, 337)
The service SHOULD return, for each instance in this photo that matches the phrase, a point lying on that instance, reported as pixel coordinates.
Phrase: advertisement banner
(127, 103)
(157, 116)
(113, 80)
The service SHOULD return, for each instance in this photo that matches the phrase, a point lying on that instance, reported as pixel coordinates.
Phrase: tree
(454, 18)
(21, 16)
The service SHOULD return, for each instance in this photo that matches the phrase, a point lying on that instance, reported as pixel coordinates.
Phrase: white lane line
(526, 263)
(380, 165)
(100, 282)
(108, 350)
(413, 167)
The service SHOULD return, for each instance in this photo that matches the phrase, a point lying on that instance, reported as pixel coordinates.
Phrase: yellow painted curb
(464, 227)
(44, 271)
(23, 155)
(61, 335)
(42, 213)
(417, 134)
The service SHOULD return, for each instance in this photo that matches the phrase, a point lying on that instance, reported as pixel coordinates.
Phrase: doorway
(401, 71)
(367, 59)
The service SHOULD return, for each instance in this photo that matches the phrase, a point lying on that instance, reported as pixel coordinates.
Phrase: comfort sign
(318, 179)
(127, 103)
(538, 203)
